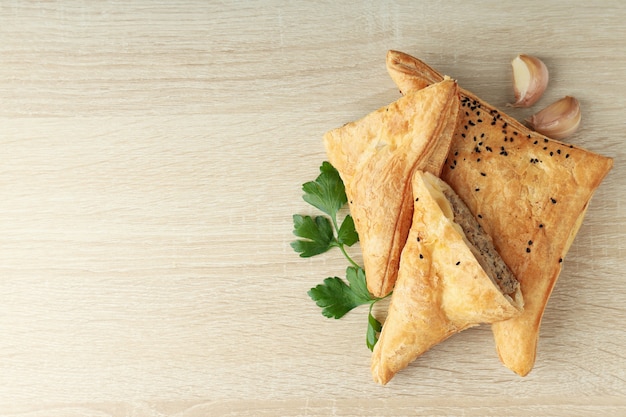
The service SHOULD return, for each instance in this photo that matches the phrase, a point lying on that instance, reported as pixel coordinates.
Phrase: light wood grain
(152, 155)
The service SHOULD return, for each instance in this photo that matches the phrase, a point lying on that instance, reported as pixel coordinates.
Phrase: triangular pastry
(376, 156)
(450, 278)
(529, 193)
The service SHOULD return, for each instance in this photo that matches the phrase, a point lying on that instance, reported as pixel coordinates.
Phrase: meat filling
(483, 248)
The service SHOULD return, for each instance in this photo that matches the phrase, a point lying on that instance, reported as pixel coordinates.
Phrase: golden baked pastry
(376, 156)
(450, 278)
(529, 193)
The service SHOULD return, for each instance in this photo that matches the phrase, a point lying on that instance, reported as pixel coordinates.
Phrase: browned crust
(376, 156)
(441, 289)
(531, 200)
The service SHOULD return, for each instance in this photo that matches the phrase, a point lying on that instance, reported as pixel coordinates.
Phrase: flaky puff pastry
(529, 192)
(376, 156)
(441, 288)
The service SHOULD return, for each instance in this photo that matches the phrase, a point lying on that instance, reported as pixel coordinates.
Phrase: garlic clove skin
(559, 120)
(530, 80)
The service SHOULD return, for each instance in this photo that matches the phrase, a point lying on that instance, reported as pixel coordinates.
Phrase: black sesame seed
(527, 250)
(477, 189)
(515, 133)
(545, 147)
(471, 123)
(560, 260)
(458, 263)
(479, 120)
(482, 135)
(478, 160)
(505, 124)
(530, 242)
(483, 174)
(535, 142)
(567, 155)
(463, 134)
(418, 239)
(541, 225)
(558, 151)
(493, 122)
(488, 148)
(417, 199)
(480, 216)
(421, 256)
(551, 153)
(545, 141)
(552, 200)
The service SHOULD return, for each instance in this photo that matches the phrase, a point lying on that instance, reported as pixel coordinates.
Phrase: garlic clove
(559, 120)
(530, 79)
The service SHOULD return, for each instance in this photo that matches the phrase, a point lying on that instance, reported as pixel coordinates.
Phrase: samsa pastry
(451, 278)
(529, 193)
(376, 156)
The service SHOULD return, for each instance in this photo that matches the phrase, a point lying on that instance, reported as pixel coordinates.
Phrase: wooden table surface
(152, 155)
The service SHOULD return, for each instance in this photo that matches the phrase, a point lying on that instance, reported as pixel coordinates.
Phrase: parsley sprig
(321, 233)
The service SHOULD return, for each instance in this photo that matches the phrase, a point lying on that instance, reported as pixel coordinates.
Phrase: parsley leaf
(336, 298)
(347, 234)
(327, 192)
(318, 233)
(373, 330)
(356, 278)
